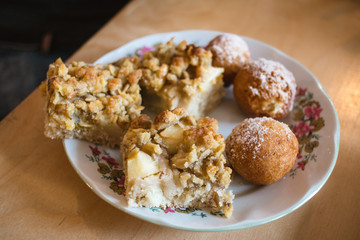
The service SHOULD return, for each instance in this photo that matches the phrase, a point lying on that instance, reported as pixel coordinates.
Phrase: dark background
(35, 33)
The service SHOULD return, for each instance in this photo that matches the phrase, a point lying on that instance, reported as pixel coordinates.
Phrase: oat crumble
(91, 102)
(176, 161)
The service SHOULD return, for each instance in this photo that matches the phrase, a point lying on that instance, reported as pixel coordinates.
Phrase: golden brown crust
(230, 52)
(181, 76)
(97, 103)
(265, 88)
(143, 121)
(91, 102)
(262, 150)
(185, 163)
(168, 116)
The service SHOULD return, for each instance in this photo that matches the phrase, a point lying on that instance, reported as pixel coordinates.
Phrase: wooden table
(42, 197)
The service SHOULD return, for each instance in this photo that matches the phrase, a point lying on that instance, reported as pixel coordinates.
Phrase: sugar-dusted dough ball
(230, 52)
(262, 150)
(265, 88)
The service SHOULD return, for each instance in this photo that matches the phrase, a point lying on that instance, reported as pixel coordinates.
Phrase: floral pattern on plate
(307, 121)
(109, 168)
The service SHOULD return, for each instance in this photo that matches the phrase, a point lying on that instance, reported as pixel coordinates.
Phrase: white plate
(253, 205)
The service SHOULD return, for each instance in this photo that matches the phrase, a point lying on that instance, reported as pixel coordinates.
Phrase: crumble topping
(176, 161)
(97, 103)
(92, 102)
(180, 76)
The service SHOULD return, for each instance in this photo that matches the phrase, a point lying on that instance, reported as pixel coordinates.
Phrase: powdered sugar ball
(265, 88)
(262, 150)
(230, 52)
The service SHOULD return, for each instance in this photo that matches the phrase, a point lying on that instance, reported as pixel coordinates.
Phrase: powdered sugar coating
(262, 150)
(274, 79)
(230, 48)
(250, 134)
(265, 88)
(230, 52)
(253, 136)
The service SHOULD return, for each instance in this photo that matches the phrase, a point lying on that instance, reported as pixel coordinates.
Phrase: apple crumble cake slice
(92, 102)
(176, 161)
(181, 76)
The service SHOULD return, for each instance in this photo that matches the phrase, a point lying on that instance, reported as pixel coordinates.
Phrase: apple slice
(141, 165)
(172, 137)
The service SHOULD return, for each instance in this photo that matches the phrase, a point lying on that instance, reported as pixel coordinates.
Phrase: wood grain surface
(41, 196)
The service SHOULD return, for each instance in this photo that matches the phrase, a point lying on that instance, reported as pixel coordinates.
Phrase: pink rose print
(302, 128)
(312, 111)
(301, 165)
(169, 209)
(111, 161)
(121, 182)
(95, 150)
(143, 50)
(300, 91)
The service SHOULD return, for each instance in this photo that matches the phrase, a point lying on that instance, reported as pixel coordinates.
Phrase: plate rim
(235, 226)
